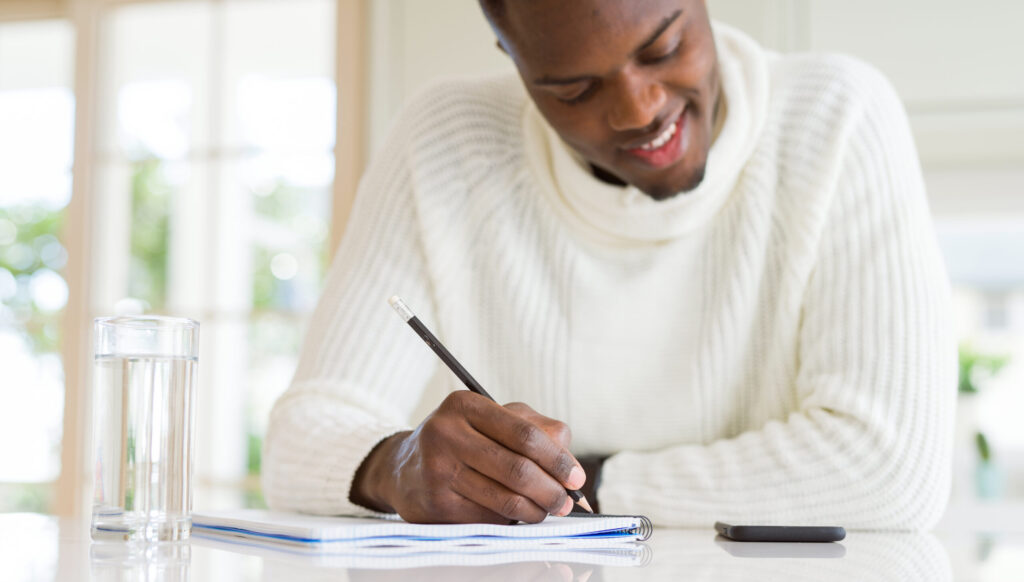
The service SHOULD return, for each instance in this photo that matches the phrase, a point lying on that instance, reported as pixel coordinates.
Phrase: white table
(37, 547)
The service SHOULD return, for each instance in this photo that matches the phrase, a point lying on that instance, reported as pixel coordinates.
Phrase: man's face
(631, 85)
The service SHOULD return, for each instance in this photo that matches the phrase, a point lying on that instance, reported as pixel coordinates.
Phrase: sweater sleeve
(869, 445)
(361, 372)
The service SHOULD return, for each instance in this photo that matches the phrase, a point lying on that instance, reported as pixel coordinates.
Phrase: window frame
(71, 488)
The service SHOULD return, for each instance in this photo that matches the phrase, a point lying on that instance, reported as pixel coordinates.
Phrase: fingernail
(567, 508)
(576, 478)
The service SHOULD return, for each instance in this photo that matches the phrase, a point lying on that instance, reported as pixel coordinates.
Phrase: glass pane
(138, 203)
(278, 87)
(223, 359)
(214, 192)
(154, 73)
(37, 117)
(276, 194)
(275, 341)
(290, 197)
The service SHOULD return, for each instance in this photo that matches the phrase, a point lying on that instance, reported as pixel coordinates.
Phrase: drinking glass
(144, 428)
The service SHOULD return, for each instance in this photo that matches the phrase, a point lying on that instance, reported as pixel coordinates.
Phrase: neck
(606, 176)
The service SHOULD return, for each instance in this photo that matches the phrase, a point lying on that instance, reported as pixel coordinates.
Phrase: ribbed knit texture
(773, 347)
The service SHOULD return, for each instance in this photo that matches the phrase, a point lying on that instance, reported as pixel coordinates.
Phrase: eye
(658, 59)
(580, 98)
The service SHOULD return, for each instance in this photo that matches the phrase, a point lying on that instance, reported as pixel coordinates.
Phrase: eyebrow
(661, 28)
(665, 23)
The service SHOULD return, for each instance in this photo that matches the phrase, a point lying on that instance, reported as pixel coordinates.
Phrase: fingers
(473, 460)
(493, 496)
(528, 440)
(517, 474)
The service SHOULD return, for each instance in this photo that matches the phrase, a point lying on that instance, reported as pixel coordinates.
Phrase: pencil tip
(585, 504)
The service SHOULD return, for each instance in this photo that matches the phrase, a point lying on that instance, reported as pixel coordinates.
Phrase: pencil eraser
(401, 308)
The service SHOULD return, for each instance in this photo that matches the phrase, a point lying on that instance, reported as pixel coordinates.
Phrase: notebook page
(368, 531)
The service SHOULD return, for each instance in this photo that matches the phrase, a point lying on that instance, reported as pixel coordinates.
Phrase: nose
(636, 102)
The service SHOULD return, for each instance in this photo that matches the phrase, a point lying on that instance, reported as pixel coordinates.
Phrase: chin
(690, 181)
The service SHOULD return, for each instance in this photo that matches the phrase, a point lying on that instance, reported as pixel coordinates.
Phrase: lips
(662, 139)
(664, 148)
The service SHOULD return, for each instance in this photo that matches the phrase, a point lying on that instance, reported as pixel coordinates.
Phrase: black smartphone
(780, 533)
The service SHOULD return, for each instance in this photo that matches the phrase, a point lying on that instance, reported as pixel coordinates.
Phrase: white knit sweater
(772, 347)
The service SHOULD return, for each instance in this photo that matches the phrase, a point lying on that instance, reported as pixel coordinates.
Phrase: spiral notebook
(333, 533)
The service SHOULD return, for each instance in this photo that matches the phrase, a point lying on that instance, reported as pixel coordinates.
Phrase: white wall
(956, 64)
(413, 42)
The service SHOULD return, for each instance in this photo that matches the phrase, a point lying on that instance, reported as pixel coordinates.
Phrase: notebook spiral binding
(646, 528)
(644, 531)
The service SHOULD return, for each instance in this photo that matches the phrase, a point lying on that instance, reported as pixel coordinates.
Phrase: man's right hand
(472, 460)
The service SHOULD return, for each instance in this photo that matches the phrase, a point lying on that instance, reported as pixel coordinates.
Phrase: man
(713, 263)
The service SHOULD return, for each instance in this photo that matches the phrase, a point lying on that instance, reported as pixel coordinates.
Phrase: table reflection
(132, 562)
(533, 571)
(861, 556)
(36, 547)
(695, 554)
(482, 563)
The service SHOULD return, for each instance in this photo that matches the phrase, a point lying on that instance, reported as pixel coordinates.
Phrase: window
(214, 168)
(203, 138)
(37, 116)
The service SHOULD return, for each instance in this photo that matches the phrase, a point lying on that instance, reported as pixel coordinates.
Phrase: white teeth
(661, 139)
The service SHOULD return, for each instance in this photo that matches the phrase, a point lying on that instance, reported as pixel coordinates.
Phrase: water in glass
(143, 440)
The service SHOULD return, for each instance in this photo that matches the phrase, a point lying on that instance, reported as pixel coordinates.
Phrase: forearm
(314, 446)
(817, 467)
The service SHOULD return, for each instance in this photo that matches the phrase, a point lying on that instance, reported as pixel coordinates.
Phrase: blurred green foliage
(29, 245)
(285, 207)
(252, 494)
(252, 498)
(264, 284)
(976, 368)
(150, 233)
(984, 451)
(28, 497)
(254, 452)
(29, 234)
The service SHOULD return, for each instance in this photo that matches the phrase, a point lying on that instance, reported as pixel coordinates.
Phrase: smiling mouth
(661, 139)
(665, 148)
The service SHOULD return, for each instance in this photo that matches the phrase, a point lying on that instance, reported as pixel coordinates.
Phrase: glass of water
(144, 408)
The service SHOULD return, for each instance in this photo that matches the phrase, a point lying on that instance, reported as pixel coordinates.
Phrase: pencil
(442, 352)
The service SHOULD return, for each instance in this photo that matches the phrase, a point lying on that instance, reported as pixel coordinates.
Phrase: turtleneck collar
(626, 213)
